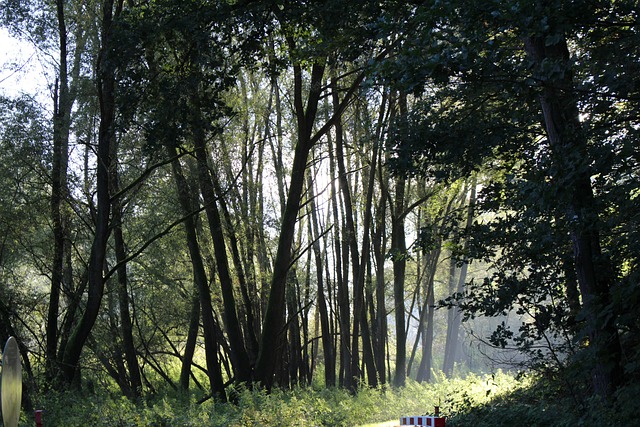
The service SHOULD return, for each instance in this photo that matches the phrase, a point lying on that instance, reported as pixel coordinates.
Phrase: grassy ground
(498, 400)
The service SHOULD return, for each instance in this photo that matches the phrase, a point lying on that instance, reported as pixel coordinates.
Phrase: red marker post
(38, 414)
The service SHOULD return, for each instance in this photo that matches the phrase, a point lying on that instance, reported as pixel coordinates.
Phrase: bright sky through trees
(20, 70)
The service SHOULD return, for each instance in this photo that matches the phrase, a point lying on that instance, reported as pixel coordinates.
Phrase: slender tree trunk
(379, 251)
(61, 271)
(239, 355)
(345, 377)
(190, 345)
(61, 119)
(424, 371)
(362, 282)
(399, 251)
(251, 337)
(112, 356)
(359, 312)
(327, 339)
(273, 327)
(453, 316)
(295, 345)
(425, 326)
(126, 326)
(379, 243)
(106, 134)
(426, 313)
(367, 347)
(347, 250)
(304, 307)
(256, 240)
(214, 372)
(422, 314)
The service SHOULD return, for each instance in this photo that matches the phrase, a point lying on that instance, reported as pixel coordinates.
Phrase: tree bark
(327, 339)
(273, 328)
(345, 376)
(106, 134)
(250, 334)
(360, 324)
(134, 389)
(399, 251)
(61, 123)
(214, 372)
(239, 355)
(364, 264)
(379, 244)
(453, 316)
(190, 345)
(424, 370)
(572, 166)
(379, 251)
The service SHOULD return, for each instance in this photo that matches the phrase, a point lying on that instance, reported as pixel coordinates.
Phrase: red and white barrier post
(424, 420)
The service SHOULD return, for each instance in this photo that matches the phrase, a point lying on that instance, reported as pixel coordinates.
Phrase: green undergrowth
(542, 404)
(492, 400)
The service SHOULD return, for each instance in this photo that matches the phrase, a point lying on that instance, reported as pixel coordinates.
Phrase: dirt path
(385, 424)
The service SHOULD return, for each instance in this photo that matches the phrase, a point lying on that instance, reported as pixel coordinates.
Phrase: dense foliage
(225, 200)
(531, 99)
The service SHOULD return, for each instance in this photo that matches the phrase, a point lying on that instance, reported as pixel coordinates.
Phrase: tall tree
(270, 345)
(291, 20)
(106, 82)
(59, 192)
(341, 256)
(399, 257)
(210, 332)
(239, 355)
(132, 381)
(456, 285)
(534, 111)
(322, 308)
(570, 159)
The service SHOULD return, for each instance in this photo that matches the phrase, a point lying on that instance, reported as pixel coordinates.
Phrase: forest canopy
(270, 193)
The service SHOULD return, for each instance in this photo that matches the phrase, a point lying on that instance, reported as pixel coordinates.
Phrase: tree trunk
(424, 371)
(214, 372)
(364, 265)
(379, 251)
(327, 339)
(126, 326)
(190, 345)
(453, 316)
(295, 361)
(250, 334)
(270, 346)
(239, 355)
(399, 256)
(572, 166)
(359, 312)
(106, 134)
(379, 243)
(345, 377)
(59, 191)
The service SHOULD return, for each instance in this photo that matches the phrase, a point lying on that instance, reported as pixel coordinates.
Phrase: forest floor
(492, 400)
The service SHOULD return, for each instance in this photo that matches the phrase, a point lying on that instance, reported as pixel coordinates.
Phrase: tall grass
(491, 400)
